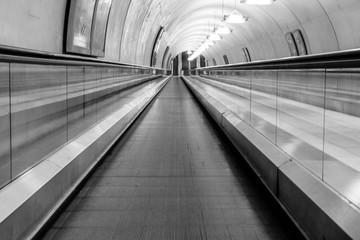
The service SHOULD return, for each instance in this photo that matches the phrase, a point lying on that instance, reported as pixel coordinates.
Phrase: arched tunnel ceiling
(327, 25)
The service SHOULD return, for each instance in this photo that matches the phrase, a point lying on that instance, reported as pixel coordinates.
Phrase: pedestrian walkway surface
(173, 175)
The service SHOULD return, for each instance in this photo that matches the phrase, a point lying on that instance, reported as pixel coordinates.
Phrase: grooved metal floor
(172, 176)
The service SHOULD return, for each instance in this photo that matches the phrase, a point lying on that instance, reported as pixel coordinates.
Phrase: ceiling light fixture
(203, 47)
(208, 42)
(223, 30)
(257, 2)
(189, 52)
(235, 17)
(214, 37)
(195, 54)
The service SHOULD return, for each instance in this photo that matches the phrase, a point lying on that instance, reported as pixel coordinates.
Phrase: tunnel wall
(36, 24)
(115, 30)
(326, 25)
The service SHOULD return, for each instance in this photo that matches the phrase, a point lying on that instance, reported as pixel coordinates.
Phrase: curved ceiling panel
(116, 24)
(326, 25)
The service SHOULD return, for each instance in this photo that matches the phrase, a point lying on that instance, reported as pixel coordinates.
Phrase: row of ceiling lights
(233, 17)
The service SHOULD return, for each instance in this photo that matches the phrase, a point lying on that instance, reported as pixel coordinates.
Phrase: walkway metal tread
(173, 175)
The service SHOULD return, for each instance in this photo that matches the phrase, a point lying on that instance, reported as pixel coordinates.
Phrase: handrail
(340, 59)
(21, 55)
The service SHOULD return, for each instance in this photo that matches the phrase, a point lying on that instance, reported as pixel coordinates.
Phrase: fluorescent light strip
(257, 2)
(223, 30)
(214, 37)
(235, 17)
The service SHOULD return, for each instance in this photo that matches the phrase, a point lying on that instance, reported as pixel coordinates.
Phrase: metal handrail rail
(340, 59)
(21, 55)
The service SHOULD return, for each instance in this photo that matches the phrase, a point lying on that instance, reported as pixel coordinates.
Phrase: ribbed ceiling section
(187, 23)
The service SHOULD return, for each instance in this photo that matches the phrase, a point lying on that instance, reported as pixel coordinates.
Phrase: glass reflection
(342, 131)
(45, 106)
(313, 114)
(105, 89)
(263, 103)
(244, 79)
(301, 116)
(75, 89)
(90, 96)
(38, 113)
(4, 125)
